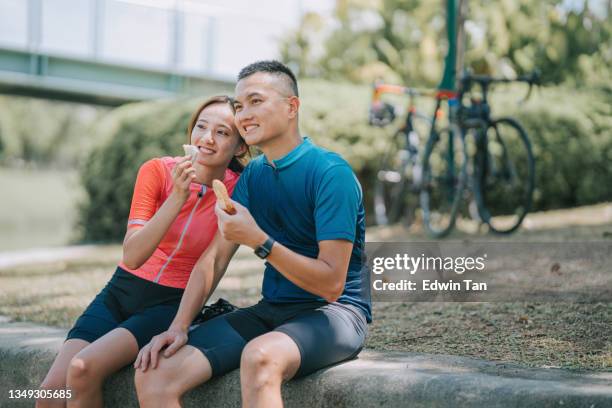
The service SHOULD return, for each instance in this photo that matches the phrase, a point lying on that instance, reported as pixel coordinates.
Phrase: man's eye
(256, 101)
(237, 108)
(222, 132)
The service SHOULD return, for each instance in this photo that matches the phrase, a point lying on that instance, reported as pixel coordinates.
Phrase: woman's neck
(205, 174)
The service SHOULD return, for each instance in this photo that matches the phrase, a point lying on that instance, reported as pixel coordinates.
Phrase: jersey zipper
(180, 241)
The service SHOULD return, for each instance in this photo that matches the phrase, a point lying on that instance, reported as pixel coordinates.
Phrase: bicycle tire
(395, 178)
(441, 190)
(505, 161)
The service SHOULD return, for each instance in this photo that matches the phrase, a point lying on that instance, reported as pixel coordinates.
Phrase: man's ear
(294, 106)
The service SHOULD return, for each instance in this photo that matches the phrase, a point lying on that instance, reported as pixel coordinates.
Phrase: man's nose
(244, 114)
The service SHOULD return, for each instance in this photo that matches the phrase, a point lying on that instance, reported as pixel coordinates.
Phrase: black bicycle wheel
(399, 175)
(504, 175)
(444, 178)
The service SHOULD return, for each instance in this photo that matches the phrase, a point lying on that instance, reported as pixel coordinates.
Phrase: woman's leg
(89, 368)
(56, 377)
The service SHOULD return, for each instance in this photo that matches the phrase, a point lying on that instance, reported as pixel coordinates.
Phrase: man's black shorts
(325, 333)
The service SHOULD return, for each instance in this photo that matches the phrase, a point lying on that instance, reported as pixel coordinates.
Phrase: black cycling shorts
(142, 307)
(325, 333)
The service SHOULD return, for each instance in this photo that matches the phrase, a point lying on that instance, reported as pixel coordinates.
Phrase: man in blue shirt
(300, 207)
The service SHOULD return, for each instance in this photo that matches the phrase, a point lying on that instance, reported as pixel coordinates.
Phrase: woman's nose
(207, 137)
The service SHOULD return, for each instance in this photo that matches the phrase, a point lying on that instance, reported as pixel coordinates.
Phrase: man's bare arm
(204, 278)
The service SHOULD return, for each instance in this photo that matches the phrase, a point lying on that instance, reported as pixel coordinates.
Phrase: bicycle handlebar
(532, 79)
(484, 81)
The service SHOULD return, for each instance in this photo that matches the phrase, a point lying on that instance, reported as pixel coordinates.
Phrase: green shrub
(571, 132)
(45, 133)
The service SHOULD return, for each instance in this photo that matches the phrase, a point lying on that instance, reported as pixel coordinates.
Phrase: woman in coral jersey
(171, 223)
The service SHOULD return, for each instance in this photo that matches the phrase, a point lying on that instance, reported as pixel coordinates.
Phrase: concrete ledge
(375, 379)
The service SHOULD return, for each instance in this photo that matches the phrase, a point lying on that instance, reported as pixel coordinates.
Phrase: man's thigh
(326, 335)
(223, 338)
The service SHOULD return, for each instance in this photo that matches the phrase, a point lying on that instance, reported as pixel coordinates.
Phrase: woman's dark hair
(237, 163)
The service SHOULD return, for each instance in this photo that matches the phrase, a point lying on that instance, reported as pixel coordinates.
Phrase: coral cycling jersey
(190, 233)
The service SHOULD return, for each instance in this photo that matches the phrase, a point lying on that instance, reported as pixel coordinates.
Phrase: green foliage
(571, 132)
(405, 41)
(45, 133)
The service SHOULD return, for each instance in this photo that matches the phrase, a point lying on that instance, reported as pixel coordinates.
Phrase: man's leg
(266, 362)
(174, 376)
(213, 349)
(311, 340)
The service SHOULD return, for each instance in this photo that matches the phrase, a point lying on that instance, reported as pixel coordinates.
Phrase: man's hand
(241, 227)
(174, 339)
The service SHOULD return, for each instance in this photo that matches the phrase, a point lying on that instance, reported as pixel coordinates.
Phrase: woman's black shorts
(142, 307)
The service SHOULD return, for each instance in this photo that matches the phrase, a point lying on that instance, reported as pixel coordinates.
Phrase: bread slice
(191, 151)
(223, 197)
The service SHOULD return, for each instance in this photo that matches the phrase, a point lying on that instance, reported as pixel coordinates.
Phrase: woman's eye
(201, 127)
(222, 133)
(237, 108)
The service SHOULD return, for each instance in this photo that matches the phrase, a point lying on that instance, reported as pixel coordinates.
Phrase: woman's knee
(82, 373)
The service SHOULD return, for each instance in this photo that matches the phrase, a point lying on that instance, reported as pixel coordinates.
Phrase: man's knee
(158, 384)
(261, 365)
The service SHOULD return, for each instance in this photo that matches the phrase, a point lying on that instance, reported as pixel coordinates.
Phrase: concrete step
(375, 379)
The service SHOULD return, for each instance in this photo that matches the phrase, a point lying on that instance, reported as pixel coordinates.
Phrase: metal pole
(448, 78)
(96, 21)
(34, 35)
(210, 44)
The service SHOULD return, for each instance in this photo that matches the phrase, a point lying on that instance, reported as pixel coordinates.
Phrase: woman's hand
(149, 354)
(183, 175)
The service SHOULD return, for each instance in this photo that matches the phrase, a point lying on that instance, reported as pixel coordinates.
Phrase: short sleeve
(241, 190)
(147, 192)
(337, 201)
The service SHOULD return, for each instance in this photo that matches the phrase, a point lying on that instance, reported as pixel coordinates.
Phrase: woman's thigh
(108, 354)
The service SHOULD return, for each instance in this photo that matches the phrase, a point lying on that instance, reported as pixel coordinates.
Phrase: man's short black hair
(272, 67)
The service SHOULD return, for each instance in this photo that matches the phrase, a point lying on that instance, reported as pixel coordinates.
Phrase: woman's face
(216, 136)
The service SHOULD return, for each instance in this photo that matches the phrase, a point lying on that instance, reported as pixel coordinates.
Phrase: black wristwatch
(264, 249)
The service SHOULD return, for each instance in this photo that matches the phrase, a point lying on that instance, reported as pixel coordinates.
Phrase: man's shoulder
(253, 164)
(326, 159)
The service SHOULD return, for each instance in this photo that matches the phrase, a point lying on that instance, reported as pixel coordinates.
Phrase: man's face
(263, 109)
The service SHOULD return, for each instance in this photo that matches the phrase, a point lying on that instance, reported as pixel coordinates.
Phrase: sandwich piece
(223, 197)
(191, 151)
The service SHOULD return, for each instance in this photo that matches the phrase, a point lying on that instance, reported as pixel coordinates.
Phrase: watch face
(261, 252)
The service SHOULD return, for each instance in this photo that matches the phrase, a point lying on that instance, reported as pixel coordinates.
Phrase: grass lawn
(557, 334)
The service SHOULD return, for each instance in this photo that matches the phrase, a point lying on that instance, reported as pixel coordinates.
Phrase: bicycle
(445, 175)
(400, 170)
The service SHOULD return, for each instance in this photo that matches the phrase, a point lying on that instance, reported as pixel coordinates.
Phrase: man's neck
(205, 175)
(281, 146)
